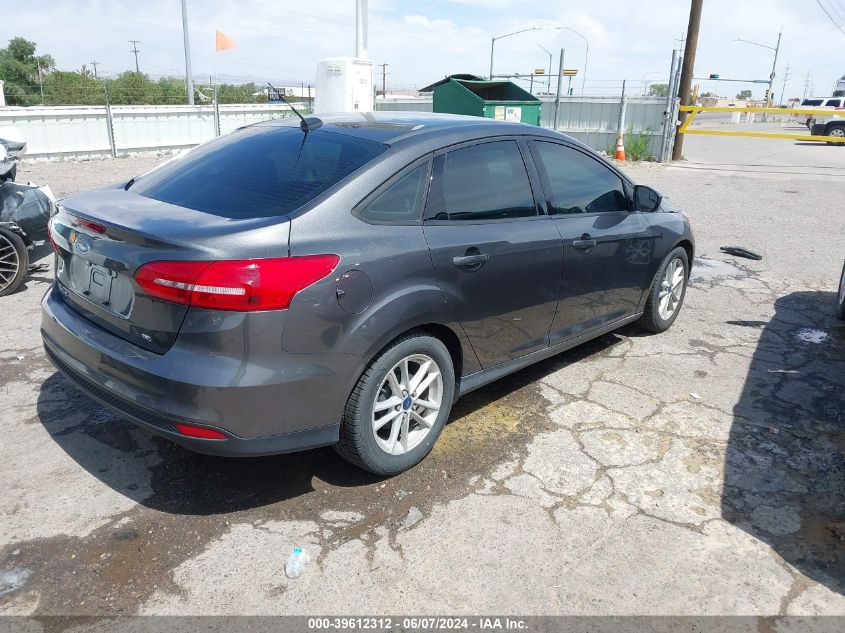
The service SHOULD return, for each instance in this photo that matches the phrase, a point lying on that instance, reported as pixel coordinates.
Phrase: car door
(606, 247)
(496, 257)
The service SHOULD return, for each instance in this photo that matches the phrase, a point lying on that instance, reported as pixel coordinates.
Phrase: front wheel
(840, 296)
(399, 406)
(14, 262)
(667, 292)
(836, 132)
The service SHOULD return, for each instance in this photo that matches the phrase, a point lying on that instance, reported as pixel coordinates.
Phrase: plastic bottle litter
(297, 561)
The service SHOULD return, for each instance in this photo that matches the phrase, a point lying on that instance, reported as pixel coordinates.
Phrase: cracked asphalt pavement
(701, 471)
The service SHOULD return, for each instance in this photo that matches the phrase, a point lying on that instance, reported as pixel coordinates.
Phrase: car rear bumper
(264, 402)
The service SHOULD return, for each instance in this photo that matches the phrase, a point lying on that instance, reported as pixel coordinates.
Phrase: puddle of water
(705, 269)
(12, 580)
(811, 335)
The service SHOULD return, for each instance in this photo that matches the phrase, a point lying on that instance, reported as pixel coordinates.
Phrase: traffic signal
(766, 96)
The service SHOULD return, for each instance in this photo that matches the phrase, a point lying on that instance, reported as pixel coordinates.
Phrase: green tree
(21, 70)
(658, 90)
(171, 91)
(744, 95)
(131, 88)
(72, 88)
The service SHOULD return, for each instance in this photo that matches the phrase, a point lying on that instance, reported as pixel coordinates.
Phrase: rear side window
(486, 182)
(400, 200)
(578, 183)
(258, 172)
(812, 102)
(836, 103)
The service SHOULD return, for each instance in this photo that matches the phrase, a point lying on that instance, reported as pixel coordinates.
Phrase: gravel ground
(696, 472)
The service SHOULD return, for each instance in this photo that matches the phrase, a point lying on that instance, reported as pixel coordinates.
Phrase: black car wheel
(667, 292)
(14, 262)
(399, 406)
(840, 296)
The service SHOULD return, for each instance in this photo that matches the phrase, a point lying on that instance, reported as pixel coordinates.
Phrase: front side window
(578, 183)
(400, 200)
(486, 182)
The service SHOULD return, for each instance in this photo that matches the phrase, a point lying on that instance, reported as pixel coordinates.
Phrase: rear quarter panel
(396, 261)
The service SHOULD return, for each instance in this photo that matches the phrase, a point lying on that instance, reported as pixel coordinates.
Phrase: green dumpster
(496, 99)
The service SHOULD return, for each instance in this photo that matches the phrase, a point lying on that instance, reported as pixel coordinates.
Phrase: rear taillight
(50, 235)
(243, 285)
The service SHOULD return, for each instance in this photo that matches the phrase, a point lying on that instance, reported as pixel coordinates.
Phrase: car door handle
(583, 245)
(471, 261)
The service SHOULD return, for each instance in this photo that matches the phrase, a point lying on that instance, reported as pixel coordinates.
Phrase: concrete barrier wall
(82, 131)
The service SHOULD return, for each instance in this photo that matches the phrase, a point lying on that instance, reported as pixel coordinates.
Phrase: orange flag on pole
(224, 42)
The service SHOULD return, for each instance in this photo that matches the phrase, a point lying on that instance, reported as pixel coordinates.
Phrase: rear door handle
(471, 261)
(583, 245)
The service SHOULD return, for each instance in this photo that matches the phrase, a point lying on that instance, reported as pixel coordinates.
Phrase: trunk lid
(102, 237)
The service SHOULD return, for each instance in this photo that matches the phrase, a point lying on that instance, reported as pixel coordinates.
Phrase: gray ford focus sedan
(342, 281)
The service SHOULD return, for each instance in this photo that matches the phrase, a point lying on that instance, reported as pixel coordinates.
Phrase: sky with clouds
(423, 40)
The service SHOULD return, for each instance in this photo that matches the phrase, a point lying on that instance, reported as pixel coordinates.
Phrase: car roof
(391, 127)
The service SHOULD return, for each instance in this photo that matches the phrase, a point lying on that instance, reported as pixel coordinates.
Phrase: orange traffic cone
(620, 148)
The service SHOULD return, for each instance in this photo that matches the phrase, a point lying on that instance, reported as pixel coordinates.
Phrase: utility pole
(783, 89)
(189, 76)
(806, 86)
(136, 51)
(690, 47)
(94, 64)
(384, 78)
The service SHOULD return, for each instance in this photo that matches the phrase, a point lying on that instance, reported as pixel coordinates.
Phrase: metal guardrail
(695, 110)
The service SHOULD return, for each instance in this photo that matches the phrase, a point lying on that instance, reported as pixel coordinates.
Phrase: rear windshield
(260, 171)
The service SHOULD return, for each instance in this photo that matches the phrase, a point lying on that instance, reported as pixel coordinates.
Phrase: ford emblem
(82, 244)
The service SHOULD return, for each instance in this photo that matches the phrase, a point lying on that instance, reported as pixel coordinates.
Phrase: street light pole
(586, 54)
(499, 37)
(549, 86)
(776, 49)
(774, 64)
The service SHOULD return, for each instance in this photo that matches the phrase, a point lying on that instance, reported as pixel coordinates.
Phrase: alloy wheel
(9, 262)
(671, 289)
(407, 404)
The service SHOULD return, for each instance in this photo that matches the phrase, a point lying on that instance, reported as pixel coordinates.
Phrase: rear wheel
(14, 262)
(840, 296)
(667, 292)
(399, 406)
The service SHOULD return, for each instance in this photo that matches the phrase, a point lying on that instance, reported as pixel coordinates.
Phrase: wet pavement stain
(196, 498)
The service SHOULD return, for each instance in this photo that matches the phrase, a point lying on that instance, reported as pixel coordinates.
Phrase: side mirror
(646, 199)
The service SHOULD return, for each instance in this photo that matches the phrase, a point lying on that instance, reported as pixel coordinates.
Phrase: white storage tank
(344, 84)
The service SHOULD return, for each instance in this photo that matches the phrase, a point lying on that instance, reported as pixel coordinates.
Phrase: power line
(135, 51)
(830, 17)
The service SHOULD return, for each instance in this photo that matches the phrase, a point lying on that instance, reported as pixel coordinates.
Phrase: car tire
(14, 262)
(397, 446)
(661, 309)
(837, 131)
(840, 296)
